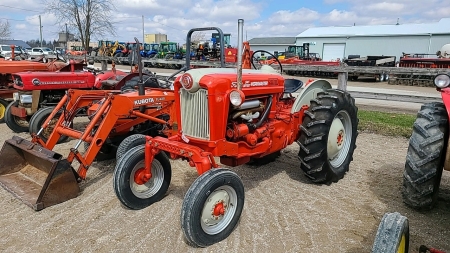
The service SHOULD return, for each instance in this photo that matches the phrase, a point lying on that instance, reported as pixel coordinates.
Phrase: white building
(391, 40)
(271, 44)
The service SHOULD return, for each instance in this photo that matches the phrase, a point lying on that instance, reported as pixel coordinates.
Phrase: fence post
(342, 81)
(104, 65)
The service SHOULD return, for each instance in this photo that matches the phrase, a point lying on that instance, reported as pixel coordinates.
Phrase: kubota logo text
(144, 101)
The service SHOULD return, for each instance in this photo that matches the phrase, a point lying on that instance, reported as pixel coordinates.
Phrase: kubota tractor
(238, 115)
(40, 177)
(428, 153)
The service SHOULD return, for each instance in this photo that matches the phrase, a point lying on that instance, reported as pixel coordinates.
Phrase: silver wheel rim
(339, 139)
(152, 186)
(212, 224)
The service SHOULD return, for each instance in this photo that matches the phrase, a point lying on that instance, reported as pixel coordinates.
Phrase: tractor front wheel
(425, 157)
(392, 234)
(3, 105)
(130, 185)
(17, 124)
(39, 118)
(212, 207)
(328, 136)
(129, 143)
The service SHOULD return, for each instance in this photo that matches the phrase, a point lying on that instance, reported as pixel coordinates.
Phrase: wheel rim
(339, 139)
(402, 246)
(21, 121)
(152, 186)
(218, 210)
(2, 111)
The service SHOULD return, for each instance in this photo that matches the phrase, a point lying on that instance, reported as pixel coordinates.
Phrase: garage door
(333, 51)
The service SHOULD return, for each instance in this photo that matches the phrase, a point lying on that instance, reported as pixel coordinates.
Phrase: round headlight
(442, 81)
(236, 97)
(187, 81)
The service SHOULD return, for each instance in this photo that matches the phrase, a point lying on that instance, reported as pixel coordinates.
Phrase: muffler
(35, 175)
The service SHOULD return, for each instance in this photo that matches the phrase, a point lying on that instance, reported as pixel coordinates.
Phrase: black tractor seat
(292, 85)
(110, 83)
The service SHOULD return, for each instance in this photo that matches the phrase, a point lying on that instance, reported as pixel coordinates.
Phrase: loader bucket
(35, 175)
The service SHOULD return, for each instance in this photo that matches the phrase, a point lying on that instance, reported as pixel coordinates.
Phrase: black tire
(207, 189)
(132, 161)
(425, 157)
(129, 143)
(3, 105)
(38, 119)
(321, 122)
(392, 234)
(13, 122)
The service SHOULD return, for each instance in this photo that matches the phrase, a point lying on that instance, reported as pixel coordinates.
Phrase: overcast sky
(263, 18)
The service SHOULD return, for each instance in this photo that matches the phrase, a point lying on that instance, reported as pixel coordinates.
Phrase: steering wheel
(271, 61)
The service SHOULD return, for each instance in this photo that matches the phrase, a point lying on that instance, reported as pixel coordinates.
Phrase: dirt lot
(283, 211)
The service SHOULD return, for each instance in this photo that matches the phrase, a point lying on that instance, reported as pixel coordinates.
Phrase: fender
(309, 92)
(445, 94)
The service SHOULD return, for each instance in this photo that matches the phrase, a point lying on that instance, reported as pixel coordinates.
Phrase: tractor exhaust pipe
(141, 80)
(240, 51)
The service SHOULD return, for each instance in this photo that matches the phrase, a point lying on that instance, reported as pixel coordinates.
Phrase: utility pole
(40, 28)
(143, 31)
(67, 37)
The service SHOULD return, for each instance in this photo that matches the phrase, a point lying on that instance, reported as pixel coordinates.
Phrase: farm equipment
(40, 177)
(428, 154)
(439, 60)
(9, 67)
(239, 115)
(41, 89)
(77, 50)
(372, 61)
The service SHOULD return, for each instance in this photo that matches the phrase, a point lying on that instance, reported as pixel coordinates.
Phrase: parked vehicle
(428, 153)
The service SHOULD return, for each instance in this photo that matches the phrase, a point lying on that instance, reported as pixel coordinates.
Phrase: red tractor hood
(61, 80)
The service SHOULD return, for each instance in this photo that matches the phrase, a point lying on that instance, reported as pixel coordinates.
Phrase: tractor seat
(110, 83)
(292, 85)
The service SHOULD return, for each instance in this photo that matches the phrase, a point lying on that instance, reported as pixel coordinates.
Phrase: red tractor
(239, 116)
(42, 89)
(428, 153)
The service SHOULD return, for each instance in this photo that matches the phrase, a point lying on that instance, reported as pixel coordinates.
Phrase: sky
(263, 18)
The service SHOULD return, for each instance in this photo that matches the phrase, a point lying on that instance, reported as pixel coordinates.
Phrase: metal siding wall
(437, 41)
(394, 46)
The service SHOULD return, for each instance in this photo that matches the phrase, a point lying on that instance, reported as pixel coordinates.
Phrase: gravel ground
(283, 211)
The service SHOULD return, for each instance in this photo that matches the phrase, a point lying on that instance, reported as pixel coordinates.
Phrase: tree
(86, 18)
(5, 30)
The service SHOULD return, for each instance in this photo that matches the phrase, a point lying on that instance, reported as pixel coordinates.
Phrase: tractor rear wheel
(328, 136)
(3, 105)
(212, 207)
(392, 234)
(38, 119)
(425, 157)
(131, 189)
(17, 124)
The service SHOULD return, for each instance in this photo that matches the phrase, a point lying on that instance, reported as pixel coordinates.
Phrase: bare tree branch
(85, 18)
(5, 30)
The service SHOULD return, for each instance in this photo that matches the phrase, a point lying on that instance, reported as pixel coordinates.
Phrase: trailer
(370, 61)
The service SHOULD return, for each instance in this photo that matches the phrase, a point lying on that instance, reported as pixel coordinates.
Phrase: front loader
(40, 177)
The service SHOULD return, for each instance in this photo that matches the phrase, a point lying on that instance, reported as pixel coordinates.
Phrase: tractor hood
(7, 67)
(28, 81)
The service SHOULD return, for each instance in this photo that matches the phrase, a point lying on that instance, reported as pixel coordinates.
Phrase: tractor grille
(195, 113)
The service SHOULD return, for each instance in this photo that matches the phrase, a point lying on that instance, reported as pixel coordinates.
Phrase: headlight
(26, 99)
(237, 97)
(187, 81)
(442, 81)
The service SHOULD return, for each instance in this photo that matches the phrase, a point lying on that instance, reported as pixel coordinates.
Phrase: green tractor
(169, 51)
